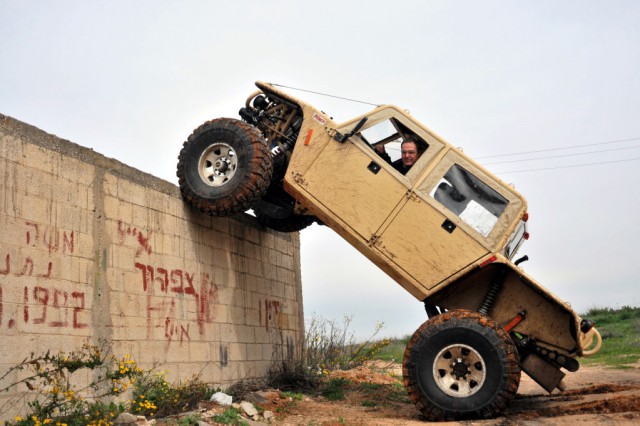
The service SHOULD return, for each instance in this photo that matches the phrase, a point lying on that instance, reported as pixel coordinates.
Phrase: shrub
(54, 398)
(328, 346)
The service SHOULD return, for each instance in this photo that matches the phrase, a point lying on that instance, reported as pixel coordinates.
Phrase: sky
(558, 81)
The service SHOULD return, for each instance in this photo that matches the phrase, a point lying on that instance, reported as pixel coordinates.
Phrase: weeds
(334, 389)
(328, 346)
(52, 398)
(231, 416)
(620, 330)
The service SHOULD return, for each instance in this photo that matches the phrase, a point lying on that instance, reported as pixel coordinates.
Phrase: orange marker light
(308, 139)
(525, 216)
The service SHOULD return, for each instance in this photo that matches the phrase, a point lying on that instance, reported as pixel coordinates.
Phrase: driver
(409, 155)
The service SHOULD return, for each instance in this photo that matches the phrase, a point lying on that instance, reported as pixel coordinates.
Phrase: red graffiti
(171, 328)
(143, 240)
(49, 238)
(40, 303)
(271, 312)
(158, 281)
(27, 268)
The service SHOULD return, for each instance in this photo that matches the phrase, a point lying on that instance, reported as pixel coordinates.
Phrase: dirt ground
(594, 395)
(374, 395)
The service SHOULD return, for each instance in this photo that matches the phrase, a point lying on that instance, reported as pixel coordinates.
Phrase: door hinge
(411, 195)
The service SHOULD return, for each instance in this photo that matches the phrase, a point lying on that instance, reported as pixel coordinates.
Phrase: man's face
(409, 153)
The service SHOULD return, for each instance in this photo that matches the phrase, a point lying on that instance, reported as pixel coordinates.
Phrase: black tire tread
(258, 176)
(489, 329)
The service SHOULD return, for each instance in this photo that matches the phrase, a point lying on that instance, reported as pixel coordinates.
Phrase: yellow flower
(18, 419)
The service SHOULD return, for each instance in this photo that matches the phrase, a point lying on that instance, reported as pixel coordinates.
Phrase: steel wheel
(459, 370)
(218, 164)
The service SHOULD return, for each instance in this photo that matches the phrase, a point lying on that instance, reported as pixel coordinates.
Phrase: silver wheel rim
(459, 370)
(218, 164)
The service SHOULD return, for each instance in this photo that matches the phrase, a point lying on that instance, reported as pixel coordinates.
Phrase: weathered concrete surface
(93, 251)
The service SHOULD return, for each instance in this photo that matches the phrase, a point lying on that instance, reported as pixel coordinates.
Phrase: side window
(387, 137)
(475, 202)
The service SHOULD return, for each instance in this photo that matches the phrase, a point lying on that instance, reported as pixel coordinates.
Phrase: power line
(324, 94)
(557, 149)
(562, 155)
(567, 167)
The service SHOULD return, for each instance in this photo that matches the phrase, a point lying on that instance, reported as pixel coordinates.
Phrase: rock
(203, 423)
(248, 408)
(128, 419)
(221, 398)
(258, 397)
(268, 415)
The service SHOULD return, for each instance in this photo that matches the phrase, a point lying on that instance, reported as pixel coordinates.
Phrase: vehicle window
(475, 202)
(515, 241)
(386, 138)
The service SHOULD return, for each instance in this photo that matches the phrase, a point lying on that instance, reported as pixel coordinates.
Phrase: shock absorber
(492, 293)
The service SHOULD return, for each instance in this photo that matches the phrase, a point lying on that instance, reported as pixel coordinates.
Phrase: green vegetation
(394, 350)
(295, 396)
(231, 416)
(328, 346)
(620, 330)
(334, 389)
(54, 399)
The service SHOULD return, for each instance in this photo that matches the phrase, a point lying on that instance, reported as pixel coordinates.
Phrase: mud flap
(544, 374)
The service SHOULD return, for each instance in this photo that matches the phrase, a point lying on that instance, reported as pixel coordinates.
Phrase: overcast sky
(132, 79)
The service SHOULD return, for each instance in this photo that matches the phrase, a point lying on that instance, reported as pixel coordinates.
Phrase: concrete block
(134, 267)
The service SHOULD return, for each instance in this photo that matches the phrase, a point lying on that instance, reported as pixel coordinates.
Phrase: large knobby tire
(460, 365)
(224, 167)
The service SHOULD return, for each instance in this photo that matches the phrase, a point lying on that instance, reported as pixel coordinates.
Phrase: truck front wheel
(224, 167)
(460, 365)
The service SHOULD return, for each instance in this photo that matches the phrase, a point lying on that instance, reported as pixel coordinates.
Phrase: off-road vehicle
(447, 231)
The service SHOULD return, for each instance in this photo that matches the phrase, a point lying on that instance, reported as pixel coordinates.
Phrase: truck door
(354, 182)
(455, 216)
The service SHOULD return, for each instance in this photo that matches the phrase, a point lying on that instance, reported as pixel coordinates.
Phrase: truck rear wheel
(224, 167)
(279, 218)
(460, 365)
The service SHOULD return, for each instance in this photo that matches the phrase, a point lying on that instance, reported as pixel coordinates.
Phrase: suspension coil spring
(492, 293)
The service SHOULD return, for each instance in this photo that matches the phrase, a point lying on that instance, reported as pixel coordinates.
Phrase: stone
(268, 415)
(221, 398)
(126, 419)
(248, 408)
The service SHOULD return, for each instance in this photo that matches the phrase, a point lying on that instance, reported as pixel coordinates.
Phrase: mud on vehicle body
(447, 231)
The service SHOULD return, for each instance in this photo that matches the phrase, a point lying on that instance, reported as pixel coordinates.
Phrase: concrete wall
(93, 251)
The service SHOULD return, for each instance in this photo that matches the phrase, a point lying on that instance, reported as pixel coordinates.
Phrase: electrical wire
(560, 148)
(569, 166)
(562, 155)
(325, 94)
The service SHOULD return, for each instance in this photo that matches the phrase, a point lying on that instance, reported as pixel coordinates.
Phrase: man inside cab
(409, 154)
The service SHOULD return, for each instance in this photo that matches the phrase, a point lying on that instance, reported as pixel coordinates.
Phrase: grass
(394, 351)
(620, 330)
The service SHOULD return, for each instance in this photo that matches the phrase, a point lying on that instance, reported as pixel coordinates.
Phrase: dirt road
(594, 395)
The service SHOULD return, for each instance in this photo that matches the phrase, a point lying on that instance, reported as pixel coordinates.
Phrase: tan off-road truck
(447, 231)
